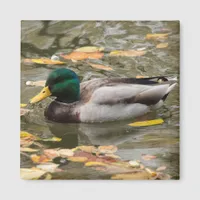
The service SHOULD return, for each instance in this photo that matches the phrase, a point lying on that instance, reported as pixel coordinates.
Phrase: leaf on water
(147, 123)
(24, 111)
(110, 155)
(28, 149)
(137, 175)
(36, 83)
(48, 167)
(40, 159)
(157, 36)
(97, 66)
(88, 149)
(148, 157)
(51, 153)
(26, 135)
(82, 55)
(92, 164)
(89, 49)
(152, 173)
(43, 61)
(31, 174)
(77, 159)
(128, 53)
(22, 105)
(162, 45)
(65, 152)
(107, 149)
(161, 168)
(53, 139)
(134, 164)
(139, 76)
(25, 142)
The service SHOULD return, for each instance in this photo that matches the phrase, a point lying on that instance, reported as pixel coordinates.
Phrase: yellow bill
(42, 95)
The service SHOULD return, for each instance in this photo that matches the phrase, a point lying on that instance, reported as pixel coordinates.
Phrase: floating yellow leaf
(137, 175)
(53, 139)
(36, 83)
(82, 55)
(91, 164)
(43, 61)
(39, 159)
(22, 105)
(89, 49)
(161, 45)
(107, 149)
(152, 173)
(157, 36)
(78, 159)
(24, 134)
(97, 66)
(128, 53)
(31, 174)
(28, 149)
(147, 123)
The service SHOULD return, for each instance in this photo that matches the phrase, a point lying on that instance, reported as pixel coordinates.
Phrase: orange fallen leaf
(44, 61)
(139, 76)
(40, 159)
(157, 36)
(97, 66)
(161, 45)
(82, 55)
(78, 159)
(128, 53)
(148, 157)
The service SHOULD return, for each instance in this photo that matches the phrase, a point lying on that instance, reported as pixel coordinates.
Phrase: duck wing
(148, 91)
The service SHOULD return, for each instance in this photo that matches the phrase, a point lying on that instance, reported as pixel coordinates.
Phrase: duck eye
(43, 92)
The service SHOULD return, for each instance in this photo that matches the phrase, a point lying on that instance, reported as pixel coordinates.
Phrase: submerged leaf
(128, 53)
(97, 66)
(44, 61)
(89, 49)
(82, 55)
(161, 45)
(36, 83)
(157, 36)
(147, 123)
(148, 157)
(161, 168)
(31, 174)
(137, 175)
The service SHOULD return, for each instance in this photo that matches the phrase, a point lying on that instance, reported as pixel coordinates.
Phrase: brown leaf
(97, 66)
(148, 157)
(128, 53)
(82, 55)
(157, 36)
(161, 45)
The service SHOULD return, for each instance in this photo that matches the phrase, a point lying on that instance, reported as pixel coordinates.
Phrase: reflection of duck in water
(100, 100)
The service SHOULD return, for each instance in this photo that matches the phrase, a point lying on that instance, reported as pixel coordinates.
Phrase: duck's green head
(62, 83)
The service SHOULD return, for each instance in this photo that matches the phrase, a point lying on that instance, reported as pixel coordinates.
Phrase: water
(45, 38)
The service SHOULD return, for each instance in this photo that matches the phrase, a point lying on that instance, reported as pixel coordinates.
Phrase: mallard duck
(100, 100)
